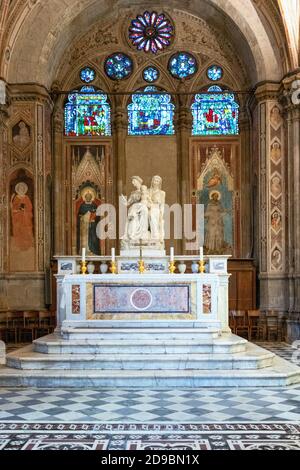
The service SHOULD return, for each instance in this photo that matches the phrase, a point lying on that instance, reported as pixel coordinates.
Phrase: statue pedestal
(156, 261)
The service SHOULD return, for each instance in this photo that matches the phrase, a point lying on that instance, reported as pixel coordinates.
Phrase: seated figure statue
(145, 218)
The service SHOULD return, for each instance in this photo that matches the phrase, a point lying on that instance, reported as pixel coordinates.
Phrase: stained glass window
(182, 65)
(214, 73)
(87, 75)
(151, 32)
(87, 113)
(150, 74)
(151, 114)
(215, 113)
(118, 66)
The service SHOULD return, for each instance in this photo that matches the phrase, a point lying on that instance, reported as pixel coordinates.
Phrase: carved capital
(58, 122)
(120, 120)
(267, 92)
(184, 119)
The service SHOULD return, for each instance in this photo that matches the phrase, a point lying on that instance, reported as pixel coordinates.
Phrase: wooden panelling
(242, 284)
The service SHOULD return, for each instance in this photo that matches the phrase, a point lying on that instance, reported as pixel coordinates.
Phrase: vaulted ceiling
(34, 34)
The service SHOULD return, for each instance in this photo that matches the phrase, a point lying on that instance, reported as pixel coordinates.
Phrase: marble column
(271, 199)
(292, 111)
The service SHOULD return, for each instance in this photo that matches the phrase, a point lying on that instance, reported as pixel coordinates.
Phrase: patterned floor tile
(67, 436)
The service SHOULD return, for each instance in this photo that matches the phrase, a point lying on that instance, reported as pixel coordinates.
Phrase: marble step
(253, 358)
(53, 344)
(138, 324)
(281, 374)
(140, 333)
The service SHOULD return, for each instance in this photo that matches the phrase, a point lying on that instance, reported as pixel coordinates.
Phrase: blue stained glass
(215, 73)
(182, 65)
(150, 74)
(151, 114)
(87, 75)
(118, 66)
(215, 114)
(87, 113)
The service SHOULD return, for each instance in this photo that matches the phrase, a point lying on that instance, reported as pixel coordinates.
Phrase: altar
(98, 300)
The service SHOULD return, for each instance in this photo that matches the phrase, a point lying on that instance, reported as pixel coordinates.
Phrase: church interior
(117, 332)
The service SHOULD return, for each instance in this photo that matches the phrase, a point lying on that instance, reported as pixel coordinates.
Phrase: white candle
(83, 255)
(201, 253)
(172, 254)
(113, 255)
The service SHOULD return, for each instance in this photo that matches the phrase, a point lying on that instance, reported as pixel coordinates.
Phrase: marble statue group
(145, 218)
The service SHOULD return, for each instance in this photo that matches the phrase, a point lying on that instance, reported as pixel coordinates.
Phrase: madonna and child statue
(145, 217)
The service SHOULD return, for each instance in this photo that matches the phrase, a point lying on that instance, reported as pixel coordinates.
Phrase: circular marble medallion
(141, 299)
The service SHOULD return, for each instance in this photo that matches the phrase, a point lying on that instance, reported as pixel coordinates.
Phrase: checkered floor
(141, 406)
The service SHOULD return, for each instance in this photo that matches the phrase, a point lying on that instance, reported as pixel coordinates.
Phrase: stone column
(246, 239)
(119, 129)
(183, 125)
(292, 110)
(3, 204)
(271, 207)
(28, 156)
(58, 183)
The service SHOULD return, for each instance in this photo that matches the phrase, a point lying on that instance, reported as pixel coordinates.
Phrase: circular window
(87, 74)
(214, 73)
(150, 74)
(118, 66)
(182, 65)
(151, 32)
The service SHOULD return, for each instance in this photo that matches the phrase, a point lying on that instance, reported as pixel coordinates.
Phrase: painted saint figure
(22, 138)
(22, 218)
(87, 220)
(214, 228)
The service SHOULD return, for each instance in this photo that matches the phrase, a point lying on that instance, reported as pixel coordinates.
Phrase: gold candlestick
(172, 267)
(83, 267)
(113, 267)
(141, 266)
(202, 266)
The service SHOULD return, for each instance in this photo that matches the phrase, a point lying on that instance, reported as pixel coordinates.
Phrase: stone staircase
(144, 357)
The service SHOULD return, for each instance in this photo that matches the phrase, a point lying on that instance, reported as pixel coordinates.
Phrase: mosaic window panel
(215, 73)
(215, 113)
(150, 74)
(182, 65)
(87, 113)
(87, 74)
(118, 66)
(151, 114)
(151, 32)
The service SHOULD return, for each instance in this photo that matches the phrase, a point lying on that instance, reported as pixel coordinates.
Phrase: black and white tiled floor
(131, 419)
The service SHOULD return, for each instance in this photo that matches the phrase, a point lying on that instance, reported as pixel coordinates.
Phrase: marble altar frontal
(88, 300)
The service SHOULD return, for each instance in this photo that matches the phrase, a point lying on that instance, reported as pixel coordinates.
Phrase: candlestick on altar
(113, 255)
(172, 254)
(201, 253)
(83, 262)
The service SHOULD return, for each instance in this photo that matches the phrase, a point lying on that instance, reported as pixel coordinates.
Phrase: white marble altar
(206, 295)
(145, 330)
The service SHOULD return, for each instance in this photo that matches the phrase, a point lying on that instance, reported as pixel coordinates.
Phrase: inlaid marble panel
(76, 299)
(141, 298)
